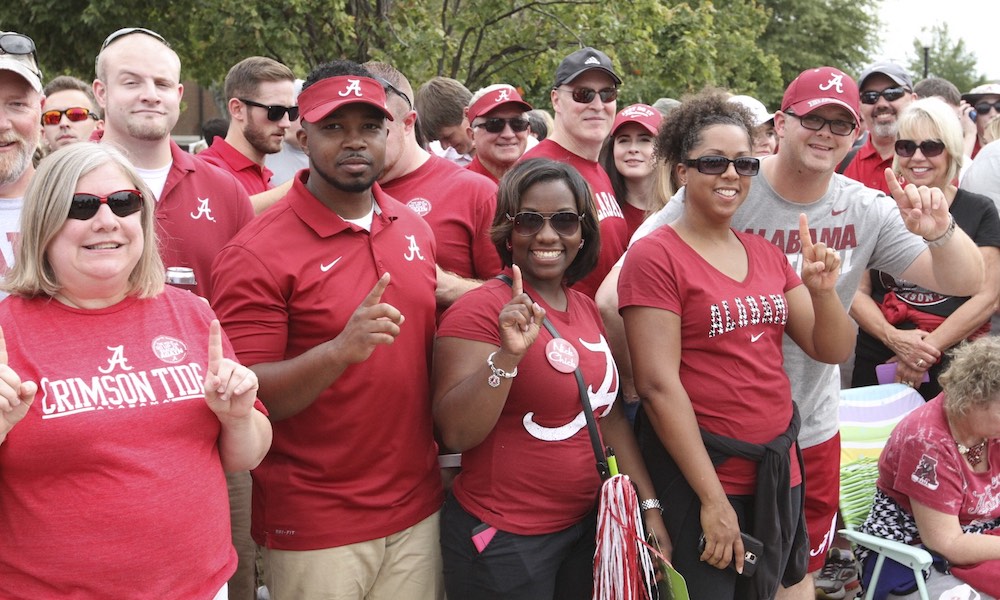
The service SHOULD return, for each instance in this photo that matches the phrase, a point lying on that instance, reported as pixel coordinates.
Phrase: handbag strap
(588, 412)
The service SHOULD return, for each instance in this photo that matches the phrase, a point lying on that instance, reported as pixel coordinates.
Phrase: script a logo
(353, 87)
(836, 81)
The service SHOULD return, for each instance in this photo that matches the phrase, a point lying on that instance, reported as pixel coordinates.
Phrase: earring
(582, 242)
(509, 246)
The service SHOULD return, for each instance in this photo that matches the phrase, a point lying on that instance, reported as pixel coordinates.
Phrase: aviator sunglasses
(122, 203)
(496, 124)
(746, 166)
(890, 94)
(929, 148)
(586, 95)
(274, 113)
(529, 223)
(75, 114)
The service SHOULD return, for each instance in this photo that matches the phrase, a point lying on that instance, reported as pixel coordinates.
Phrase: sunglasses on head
(122, 203)
(276, 112)
(890, 94)
(15, 43)
(129, 31)
(586, 95)
(497, 124)
(746, 166)
(929, 148)
(984, 107)
(529, 223)
(75, 114)
(391, 88)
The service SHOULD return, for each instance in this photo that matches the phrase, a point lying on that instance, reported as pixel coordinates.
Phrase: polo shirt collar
(324, 221)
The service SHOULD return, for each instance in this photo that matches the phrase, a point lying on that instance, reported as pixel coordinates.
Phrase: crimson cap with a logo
(814, 88)
(643, 114)
(327, 95)
(582, 61)
(493, 98)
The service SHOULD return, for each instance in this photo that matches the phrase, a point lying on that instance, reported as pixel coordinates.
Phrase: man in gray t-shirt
(816, 126)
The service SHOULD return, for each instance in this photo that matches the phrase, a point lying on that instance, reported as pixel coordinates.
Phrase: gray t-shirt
(863, 224)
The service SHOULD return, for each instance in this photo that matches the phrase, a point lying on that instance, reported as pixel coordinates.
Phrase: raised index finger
(516, 287)
(214, 346)
(895, 190)
(804, 236)
(375, 296)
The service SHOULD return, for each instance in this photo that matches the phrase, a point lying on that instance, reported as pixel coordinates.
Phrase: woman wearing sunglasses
(901, 323)
(705, 308)
(120, 402)
(520, 523)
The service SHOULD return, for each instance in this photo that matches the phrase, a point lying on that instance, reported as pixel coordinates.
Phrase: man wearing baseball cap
(346, 503)
(20, 129)
(885, 90)
(986, 100)
(816, 126)
(499, 129)
(584, 102)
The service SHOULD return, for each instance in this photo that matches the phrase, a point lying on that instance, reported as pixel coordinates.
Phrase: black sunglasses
(391, 88)
(74, 114)
(746, 166)
(274, 113)
(122, 203)
(891, 94)
(529, 223)
(984, 107)
(586, 95)
(929, 148)
(129, 31)
(15, 43)
(816, 122)
(497, 124)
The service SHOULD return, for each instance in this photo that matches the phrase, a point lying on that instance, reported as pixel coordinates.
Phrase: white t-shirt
(10, 230)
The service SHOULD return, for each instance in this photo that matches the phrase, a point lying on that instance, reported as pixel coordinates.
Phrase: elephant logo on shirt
(601, 400)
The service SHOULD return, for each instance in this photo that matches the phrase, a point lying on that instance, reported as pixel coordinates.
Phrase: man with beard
(886, 89)
(261, 98)
(20, 113)
(199, 207)
(345, 505)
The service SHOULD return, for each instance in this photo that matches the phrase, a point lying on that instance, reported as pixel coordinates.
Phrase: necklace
(973, 454)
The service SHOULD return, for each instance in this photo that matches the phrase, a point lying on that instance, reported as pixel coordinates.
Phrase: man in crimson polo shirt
(459, 205)
(885, 90)
(581, 127)
(313, 296)
(198, 209)
(258, 88)
(497, 151)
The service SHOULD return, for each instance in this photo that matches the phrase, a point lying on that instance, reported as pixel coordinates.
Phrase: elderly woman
(120, 404)
(902, 323)
(938, 475)
(520, 522)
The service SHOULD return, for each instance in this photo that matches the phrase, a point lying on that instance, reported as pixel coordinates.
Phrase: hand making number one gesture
(924, 210)
(230, 388)
(820, 264)
(520, 319)
(16, 396)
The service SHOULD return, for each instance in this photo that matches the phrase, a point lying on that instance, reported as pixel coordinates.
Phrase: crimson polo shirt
(360, 462)
(868, 168)
(477, 166)
(200, 209)
(254, 178)
(459, 206)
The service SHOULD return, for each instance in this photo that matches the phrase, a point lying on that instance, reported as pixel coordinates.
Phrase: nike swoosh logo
(326, 268)
(754, 338)
(836, 212)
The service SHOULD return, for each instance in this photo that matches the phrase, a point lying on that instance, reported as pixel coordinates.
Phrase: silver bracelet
(494, 379)
(942, 239)
(651, 504)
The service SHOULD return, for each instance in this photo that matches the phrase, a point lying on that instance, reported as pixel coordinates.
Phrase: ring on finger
(920, 363)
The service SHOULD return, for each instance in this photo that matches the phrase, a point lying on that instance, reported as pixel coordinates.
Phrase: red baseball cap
(643, 114)
(818, 87)
(494, 97)
(327, 95)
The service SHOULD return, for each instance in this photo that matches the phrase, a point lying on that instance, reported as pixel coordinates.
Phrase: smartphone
(482, 535)
(753, 549)
(972, 115)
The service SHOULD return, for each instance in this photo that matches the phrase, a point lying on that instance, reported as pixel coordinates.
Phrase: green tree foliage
(948, 59)
(662, 47)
